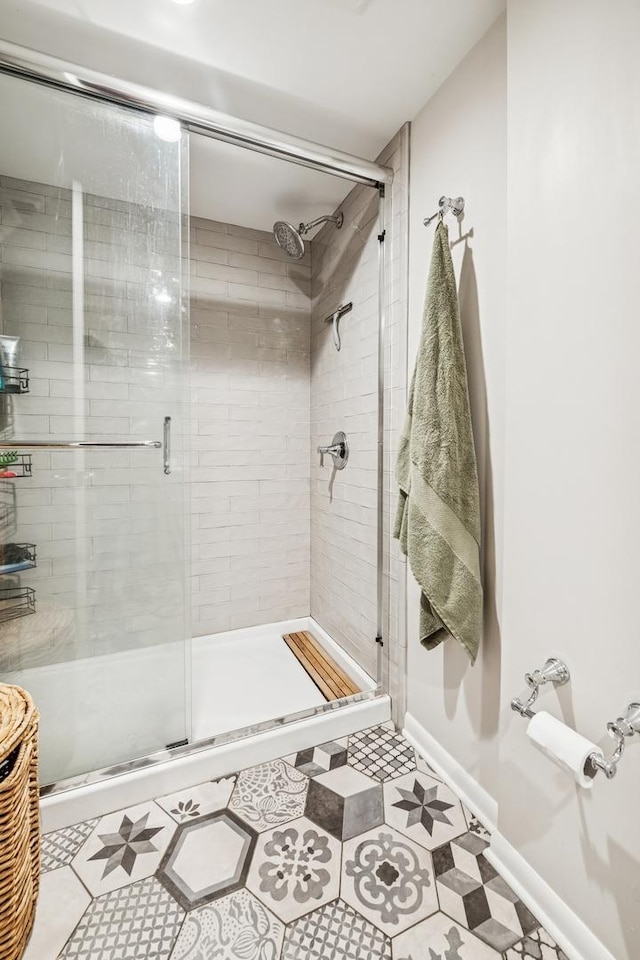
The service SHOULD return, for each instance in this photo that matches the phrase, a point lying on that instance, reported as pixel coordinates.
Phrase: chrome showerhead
(290, 239)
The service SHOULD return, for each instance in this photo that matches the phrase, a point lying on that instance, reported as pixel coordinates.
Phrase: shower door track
(33, 65)
(198, 746)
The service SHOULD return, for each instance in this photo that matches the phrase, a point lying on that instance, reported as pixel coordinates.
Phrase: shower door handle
(166, 446)
(80, 444)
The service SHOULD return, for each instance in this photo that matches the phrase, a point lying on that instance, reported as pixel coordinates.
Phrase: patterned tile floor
(354, 850)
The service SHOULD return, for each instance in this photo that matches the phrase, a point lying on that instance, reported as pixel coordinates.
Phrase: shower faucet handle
(338, 449)
(334, 450)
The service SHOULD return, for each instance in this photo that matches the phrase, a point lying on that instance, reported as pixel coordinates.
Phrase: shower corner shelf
(22, 467)
(16, 380)
(16, 602)
(27, 561)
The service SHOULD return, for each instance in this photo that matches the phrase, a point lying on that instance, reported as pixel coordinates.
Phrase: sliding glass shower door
(93, 612)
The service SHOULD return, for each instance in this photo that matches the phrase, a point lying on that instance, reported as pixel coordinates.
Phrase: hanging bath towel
(438, 518)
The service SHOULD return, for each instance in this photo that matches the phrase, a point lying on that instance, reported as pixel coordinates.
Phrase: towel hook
(454, 205)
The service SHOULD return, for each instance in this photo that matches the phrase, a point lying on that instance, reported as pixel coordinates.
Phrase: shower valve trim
(338, 449)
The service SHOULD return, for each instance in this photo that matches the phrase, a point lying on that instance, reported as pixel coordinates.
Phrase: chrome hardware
(335, 319)
(166, 446)
(338, 449)
(33, 65)
(454, 205)
(554, 671)
(557, 672)
(619, 729)
(80, 444)
(337, 220)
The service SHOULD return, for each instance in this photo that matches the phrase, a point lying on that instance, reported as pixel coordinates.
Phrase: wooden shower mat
(330, 679)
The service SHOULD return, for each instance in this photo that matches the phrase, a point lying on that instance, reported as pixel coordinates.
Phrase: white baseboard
(466, 787)
(569, 931)
(566, 927)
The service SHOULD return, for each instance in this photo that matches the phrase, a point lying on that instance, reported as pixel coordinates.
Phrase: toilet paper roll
(568, 749)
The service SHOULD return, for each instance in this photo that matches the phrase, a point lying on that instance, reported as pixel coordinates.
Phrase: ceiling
(347, 73)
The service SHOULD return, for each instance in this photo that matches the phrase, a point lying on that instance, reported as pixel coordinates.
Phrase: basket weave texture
(19, 821)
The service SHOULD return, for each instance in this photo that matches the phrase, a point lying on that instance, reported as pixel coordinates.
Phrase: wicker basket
(19, 820)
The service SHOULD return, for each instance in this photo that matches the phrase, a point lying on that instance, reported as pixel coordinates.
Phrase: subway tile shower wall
(344, 396)
(250, 504)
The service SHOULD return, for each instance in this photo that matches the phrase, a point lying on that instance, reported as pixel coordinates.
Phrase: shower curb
(86, 802)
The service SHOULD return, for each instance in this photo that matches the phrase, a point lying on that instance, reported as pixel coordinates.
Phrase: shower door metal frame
(81, 81)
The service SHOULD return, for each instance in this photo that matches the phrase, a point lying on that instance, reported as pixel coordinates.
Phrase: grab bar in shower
(78, 444)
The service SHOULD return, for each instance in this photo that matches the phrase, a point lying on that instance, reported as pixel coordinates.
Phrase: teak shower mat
(331, 680)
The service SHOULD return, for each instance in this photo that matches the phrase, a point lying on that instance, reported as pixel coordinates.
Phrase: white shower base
(239, 679)
(244, 677)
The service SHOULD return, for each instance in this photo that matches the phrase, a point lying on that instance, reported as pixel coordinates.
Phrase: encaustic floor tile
(133, 923)
(207, 858)
(441, 938)
(295, 869)
(124, 847)
(538, 945)
(424, 809)
(60, 847)
(269, 794)
(382, 753)
(475, 825)
(236, 927)
(345, 802)
(353, 850)
(335, 930)
(317, 760)
(388, 879)
(187, 805)
(471, 892)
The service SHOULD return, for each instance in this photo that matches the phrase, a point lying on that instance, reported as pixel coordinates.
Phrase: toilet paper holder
(557, 672)
(620, 730)
(554, 671)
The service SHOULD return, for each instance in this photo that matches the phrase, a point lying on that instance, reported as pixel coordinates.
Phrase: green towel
(438, 518)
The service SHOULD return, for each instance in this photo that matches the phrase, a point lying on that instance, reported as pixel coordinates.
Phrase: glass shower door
(93, 321)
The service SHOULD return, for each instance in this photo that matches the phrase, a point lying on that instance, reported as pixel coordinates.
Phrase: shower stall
(181, 568)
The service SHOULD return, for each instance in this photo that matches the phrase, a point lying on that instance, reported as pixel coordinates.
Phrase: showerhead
(290, 239)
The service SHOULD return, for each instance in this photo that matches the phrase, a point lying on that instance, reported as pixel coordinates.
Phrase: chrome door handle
(80, 444)
(166, 446)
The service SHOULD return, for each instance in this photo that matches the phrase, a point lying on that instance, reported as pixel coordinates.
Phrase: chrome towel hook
(454, 205)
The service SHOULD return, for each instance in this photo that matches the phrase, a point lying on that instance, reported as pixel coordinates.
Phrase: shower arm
(329, 218)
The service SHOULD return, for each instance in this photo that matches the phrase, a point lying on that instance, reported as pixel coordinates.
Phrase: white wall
(458, 147)
(572, 520)
(559, 443)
